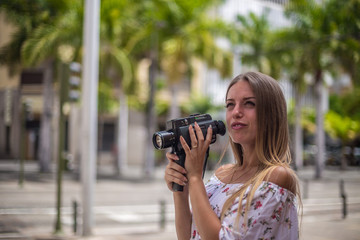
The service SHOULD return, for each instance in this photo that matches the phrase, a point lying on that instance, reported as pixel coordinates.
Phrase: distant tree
(344, 17)
(189, 32)
(179, 32)
(255, 36)
(313, 34)
(29, 20)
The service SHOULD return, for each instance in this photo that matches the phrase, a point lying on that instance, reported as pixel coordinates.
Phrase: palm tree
(256, 38)
(329, 38)
(345, 44)
(63, 40)
(28, 19)
(189, 33)
(173, 34)
(294, 64)
(313, 38)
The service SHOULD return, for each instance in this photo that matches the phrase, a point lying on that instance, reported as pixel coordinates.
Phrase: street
(133, 208)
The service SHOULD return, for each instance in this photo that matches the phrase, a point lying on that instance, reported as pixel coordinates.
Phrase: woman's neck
(250, 159)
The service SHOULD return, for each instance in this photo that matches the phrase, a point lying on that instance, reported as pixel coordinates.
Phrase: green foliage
(257, 51)
(198, 104)
(347, 104)
(162, 107)
(342, 127)
(107, 102)
(187, 31)
(26, 17)
(134, 103)
(344, 20)
(307, 117)
(325, 36)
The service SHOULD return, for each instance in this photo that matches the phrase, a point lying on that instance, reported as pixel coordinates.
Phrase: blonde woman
(254, 198)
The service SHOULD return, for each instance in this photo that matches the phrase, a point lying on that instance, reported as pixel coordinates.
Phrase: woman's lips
(238, 125)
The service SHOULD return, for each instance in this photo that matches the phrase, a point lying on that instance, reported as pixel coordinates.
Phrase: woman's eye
(229, 105)
(250, 103)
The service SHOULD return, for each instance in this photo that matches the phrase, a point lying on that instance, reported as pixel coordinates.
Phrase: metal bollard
(343, 196)
(75, 208)
(162, 214)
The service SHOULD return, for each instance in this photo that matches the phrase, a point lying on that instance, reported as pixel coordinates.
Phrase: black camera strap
(205, 161)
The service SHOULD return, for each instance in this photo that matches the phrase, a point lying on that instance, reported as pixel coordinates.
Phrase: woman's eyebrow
(247, 98)
(244, 99)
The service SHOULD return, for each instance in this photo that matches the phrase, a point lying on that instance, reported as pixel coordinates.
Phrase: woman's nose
(237, 113)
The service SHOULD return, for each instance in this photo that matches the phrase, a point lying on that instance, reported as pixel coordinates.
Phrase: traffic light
(74, 81)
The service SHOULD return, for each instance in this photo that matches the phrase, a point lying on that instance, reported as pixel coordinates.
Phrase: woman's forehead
(240, 89)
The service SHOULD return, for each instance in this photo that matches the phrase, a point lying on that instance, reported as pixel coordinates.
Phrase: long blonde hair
(272, 137)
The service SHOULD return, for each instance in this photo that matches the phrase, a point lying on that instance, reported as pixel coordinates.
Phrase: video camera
(180, 127)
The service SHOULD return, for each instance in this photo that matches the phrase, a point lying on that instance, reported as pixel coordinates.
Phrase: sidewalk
(129, 207)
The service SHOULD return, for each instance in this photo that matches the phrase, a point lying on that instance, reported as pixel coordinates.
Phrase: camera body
(180, 127)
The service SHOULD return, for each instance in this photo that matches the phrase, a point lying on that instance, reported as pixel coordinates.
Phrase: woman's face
(241, 113)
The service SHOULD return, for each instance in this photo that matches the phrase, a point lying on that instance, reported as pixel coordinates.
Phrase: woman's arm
(182, 214)
(207, 223)
(175, 173)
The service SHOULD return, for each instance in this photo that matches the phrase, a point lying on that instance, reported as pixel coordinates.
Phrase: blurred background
(159, 60)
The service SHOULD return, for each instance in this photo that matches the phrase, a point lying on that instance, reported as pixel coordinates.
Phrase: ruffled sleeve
(272, 215)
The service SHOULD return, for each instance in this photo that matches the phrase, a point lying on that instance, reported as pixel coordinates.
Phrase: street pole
(22, 143)
(89, 111)
(61, 143)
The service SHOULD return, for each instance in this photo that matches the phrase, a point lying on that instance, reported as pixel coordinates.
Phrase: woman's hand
(174, 172)
(195, 156)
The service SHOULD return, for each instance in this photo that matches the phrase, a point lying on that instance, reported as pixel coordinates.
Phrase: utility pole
(24, 107)
(89, 100)
(63, 85)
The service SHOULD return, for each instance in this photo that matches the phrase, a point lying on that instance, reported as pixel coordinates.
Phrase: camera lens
(163, 139)
(159, 141)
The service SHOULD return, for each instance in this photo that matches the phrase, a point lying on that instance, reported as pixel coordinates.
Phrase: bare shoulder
(283, 177)
(224, 168)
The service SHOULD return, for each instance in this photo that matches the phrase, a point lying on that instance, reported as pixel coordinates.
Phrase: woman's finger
(173, 175)
(185, 145)
(173, 158)
(199, 134)
(208, 136)
(176, 177)
(194, 142)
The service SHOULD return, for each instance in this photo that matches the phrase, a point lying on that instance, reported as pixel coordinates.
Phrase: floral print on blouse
(272, 214)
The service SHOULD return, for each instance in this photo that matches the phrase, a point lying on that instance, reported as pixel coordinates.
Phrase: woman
(254, 198)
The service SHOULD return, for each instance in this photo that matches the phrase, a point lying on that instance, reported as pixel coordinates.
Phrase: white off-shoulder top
(272, 214)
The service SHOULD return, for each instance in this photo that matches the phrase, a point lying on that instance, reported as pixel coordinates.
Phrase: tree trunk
(122, 134)
(45, 151)
(150, 123)
(320, 134)
(174, 108)
(15, 124)
(74, 135)
(101, 123)
(298, 136)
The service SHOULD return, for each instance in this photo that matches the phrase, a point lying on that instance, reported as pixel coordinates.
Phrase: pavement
(132, 207)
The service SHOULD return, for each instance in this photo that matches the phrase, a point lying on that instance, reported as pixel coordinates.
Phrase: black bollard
(75, 207)
(162, 214)
(343, 196)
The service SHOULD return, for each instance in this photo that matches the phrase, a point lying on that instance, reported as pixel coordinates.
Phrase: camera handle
(178, 188)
